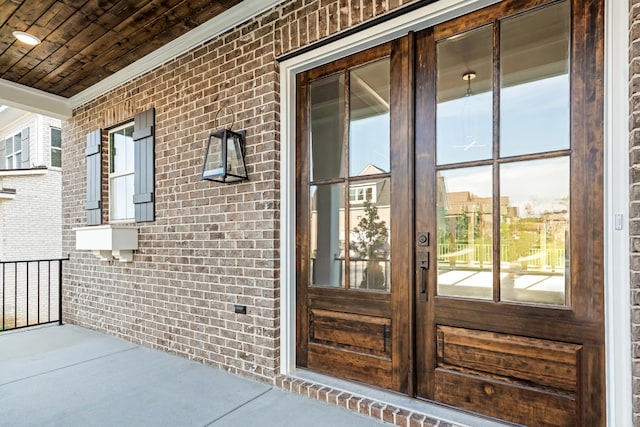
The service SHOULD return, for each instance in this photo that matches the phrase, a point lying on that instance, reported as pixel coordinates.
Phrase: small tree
(370, 234)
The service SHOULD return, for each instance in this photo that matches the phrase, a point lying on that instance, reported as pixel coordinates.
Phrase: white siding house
(30, 186)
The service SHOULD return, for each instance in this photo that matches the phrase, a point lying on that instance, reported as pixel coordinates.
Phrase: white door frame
(617, 288)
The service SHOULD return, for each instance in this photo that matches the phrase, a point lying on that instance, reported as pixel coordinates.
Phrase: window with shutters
(121, 173)
(56, 148)
(131, 167)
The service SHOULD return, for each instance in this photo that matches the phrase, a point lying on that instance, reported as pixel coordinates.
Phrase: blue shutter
(26, 164)
(94, 178)
(144, 163)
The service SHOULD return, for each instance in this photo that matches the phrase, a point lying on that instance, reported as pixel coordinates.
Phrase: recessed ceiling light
(26, 38)
(2, 108)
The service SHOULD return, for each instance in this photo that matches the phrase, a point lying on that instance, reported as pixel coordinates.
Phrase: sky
(534, 118)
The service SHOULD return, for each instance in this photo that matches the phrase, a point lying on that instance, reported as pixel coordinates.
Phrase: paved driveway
(69, 376)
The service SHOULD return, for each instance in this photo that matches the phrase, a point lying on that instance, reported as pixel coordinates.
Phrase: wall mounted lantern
(224, 158)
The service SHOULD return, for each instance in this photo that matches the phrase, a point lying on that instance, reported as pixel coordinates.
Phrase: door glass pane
(464, 236)
(369, 128)
(534, 231)
(327, 128)
(327, 235)
(369, 237)
(534, 93)
(464, 125)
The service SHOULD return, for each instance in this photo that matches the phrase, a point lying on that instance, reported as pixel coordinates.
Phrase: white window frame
(13, 154)
(113, 175)
(357, 194)
(617, 300)
(52, 148)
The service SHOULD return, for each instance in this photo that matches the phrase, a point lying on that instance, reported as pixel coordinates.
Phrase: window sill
(23, 172)
(108, 241)
(7, 193)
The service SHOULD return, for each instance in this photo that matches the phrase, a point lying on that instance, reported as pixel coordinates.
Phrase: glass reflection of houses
(532, 247)
(363, 252)
(350, 178)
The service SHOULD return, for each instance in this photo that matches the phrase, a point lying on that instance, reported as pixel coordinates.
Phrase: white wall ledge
(108, 241)
(24, 172)
(34, 100)
(7, 194)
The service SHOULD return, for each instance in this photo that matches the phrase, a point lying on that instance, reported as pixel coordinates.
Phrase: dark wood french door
(450, 214)
(354, 220)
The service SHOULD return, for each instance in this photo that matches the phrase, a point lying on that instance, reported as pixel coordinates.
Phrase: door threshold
(380, 404)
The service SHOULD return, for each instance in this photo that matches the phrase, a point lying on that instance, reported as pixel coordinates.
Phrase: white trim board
(617, 282)
(617, 303)
(34, 100)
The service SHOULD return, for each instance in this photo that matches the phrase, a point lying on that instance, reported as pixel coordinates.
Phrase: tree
(369, 234)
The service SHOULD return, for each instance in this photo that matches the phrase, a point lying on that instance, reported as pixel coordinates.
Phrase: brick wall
(38, 204)
(211, 246)
(634, 208)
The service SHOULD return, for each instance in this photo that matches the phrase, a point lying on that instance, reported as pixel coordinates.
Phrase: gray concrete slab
(30, 352)
(69, 376)
(283, 409)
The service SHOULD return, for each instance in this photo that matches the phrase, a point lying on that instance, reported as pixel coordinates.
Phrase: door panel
(351, 365)
(529, 361)
(503, 400)
(353, 218)
(506, 326)
(354, 331)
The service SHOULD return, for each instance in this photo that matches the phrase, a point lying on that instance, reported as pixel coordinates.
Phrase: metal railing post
(38, 292)
(3, 296)
(15, 295)
(26, 266)
(60, 292)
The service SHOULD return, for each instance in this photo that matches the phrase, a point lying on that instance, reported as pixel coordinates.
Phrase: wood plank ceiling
(85, 41)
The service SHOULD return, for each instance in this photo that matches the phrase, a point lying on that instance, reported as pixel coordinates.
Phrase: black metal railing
(369, 274)
(30, 293)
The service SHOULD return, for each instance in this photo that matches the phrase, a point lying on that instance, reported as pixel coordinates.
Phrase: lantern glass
(224, 159)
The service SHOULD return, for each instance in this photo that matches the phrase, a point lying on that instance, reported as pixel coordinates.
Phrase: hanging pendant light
(468, 76)
(468, 127)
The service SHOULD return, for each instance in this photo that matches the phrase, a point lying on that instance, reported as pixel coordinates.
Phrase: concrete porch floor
(70, 376)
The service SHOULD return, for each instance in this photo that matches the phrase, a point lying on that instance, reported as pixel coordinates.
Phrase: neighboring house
(496, 126)
(30, 186)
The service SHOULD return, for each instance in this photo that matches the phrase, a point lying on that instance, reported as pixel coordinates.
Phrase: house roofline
(37, 101)
(34, 100)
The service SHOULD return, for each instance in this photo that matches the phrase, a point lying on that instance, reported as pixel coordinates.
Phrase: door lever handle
(424, 265)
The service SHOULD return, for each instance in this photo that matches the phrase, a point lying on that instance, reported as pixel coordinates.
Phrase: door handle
(424, 266)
